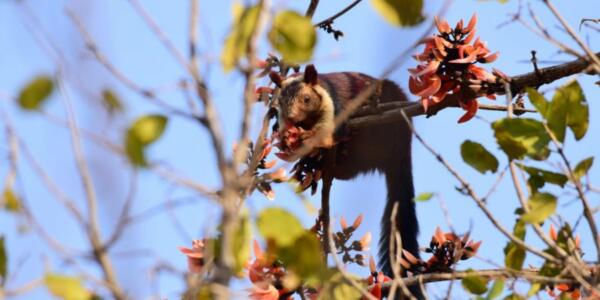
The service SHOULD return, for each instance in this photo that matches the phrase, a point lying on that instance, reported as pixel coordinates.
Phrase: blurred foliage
(475, 284)
(236, 44)
(36, 92)
(240, 246)
(294, 36)
(400, 12)
(280, 226)
(143, 132)
(111, 101)
(67, 287)
(3, 261)
(337, 287)
(10, 200)
(422, 197)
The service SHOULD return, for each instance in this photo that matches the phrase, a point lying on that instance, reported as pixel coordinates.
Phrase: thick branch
(392, 112)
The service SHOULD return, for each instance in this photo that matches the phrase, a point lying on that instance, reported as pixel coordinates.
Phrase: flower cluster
(344, 244)
(264, 180)
(447, 65)
(266, 274)
(565, 240)
(447, 249)
(564, 291)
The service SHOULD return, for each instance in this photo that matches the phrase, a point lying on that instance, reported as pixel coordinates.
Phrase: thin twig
(342, 270)
(592, 56)
(395, 256)
(312, 7)
(116, 73)
(339, 14)
(467, 187)
(92, 203)
(587, 210)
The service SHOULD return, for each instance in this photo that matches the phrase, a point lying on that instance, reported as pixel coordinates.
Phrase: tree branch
(339, 14)
(392, 112)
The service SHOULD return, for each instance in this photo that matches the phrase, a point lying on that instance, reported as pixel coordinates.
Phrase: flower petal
(428, 86)
(489, 58)
(471, 25)
(431, 68)
(442, 26)
(470, 106)
(470, 37)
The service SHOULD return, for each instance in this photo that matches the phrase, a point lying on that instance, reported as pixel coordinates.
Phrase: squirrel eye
(306, 99)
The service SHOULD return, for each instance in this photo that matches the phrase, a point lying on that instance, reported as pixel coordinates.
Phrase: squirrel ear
(310, 75)
(276, 78)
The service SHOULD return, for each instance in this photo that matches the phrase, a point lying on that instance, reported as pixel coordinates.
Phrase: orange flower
(376, 280)
(448, 63)
(195, 256)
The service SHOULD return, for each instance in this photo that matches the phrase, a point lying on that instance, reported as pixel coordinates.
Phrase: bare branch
(92, 203)
(592, 56)
(339, 14)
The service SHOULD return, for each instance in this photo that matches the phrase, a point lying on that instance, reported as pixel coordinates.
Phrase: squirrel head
(300, 99)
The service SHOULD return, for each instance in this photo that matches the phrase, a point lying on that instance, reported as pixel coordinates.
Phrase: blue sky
(369, 45)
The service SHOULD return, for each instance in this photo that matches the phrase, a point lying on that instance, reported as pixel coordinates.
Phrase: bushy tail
(400, 190)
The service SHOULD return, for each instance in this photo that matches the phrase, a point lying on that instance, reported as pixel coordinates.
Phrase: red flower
(195, 256)
(448, 63)
(376, 280)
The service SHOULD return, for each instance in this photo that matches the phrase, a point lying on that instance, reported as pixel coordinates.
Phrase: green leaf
(294, 36)
(478, 157)
(568, 108)
(240, 245)
(514, 255)
(66, 287)
(111, 101)
(475, 284)
(400, 12)
(337, 287)
(303, 256)
(583, 167)
(143, 132)
(11, 201)
(280, 226)
(522, 136)
(545, 176)
(3, 261)
(236, 43)
(496, 290)
(35, 92)
(541, 206)
(539, 102)
(577, 108)
(422, 197)
(148, 129)
(135, 151)
(556, 115)
(534, 289)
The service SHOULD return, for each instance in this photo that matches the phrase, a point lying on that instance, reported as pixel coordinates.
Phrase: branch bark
(392, 112)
